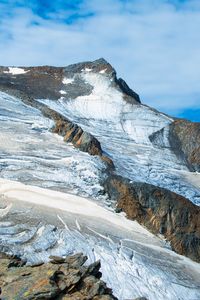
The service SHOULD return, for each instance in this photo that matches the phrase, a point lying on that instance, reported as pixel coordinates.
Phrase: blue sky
(153, 44)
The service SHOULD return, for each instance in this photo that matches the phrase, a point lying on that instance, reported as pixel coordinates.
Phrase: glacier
(52, 199)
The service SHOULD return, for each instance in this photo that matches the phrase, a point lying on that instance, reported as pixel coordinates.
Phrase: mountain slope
(111, 137)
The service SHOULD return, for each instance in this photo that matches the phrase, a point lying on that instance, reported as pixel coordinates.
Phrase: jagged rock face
(183, 137)
(80, 139)
(187, 134)
(161, 211)
(59, 279)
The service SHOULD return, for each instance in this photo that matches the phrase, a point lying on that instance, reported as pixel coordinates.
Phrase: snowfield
(29, 153)
(16, 71)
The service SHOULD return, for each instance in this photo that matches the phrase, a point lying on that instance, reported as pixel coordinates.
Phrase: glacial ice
(123, 130)
(134, 262)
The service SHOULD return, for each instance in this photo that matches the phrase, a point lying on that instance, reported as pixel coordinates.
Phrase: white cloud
(153, 45)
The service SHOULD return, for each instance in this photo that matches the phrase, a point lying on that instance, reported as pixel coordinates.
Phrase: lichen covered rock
(59, 279)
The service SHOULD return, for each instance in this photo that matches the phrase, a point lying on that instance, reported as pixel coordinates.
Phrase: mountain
(81, 153)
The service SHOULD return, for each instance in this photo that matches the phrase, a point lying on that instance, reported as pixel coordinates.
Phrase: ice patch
(86, 70)
(105, 102)
(16, 71)
(67, 80)
(40, 230)
(5, 211)
(62, 92)
(103, 71)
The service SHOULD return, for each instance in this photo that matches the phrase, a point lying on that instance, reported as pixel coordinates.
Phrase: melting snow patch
(86, 70)
(16, 71)
(40, 230)
(103, 71)
(62, 92)
(67, 80)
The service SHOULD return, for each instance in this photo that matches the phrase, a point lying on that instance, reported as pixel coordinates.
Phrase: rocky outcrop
(61, 278)
(184, 140)
(161, 211)
(80, 139)
(187, 135)
(127, 91)
(38, 82)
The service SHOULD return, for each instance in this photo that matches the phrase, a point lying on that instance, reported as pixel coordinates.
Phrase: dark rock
(126, 89)
(187, 135)
(76, 260)
(118, 210)
(56, 259)
(184, 141)
(161, 211)
(94, 268)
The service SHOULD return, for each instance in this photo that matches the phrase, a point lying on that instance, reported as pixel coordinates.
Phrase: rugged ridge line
(160, 211)
(47, 81)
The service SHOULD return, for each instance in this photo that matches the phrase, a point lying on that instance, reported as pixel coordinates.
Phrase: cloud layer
(154, 45)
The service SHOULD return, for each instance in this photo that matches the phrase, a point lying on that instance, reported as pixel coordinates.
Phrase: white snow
(107, 103)
(67, 80)
(5, 211)
(66, 202)
(103, 71)
(193, 177)
(30, 153)
(40, 230)
(86, 70)
(16, 71)
(104, 102)
(62, 92)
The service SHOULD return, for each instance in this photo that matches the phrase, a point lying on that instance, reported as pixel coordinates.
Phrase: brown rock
(67, 279)
(161, 211)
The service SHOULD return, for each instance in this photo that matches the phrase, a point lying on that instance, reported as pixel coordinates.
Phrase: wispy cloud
(154, 45)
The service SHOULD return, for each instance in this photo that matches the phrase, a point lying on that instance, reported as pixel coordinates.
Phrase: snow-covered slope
(31, 154)
(50, 216)
(123, 128)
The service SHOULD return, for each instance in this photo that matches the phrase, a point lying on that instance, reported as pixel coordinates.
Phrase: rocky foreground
(61, 278)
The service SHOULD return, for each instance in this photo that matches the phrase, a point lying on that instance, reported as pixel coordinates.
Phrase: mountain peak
(48, 81)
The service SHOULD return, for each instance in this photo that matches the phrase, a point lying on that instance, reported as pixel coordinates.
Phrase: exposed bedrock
(184, 139)
(37, 82)
(46, 82)
(61, 278)
(161, 211)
